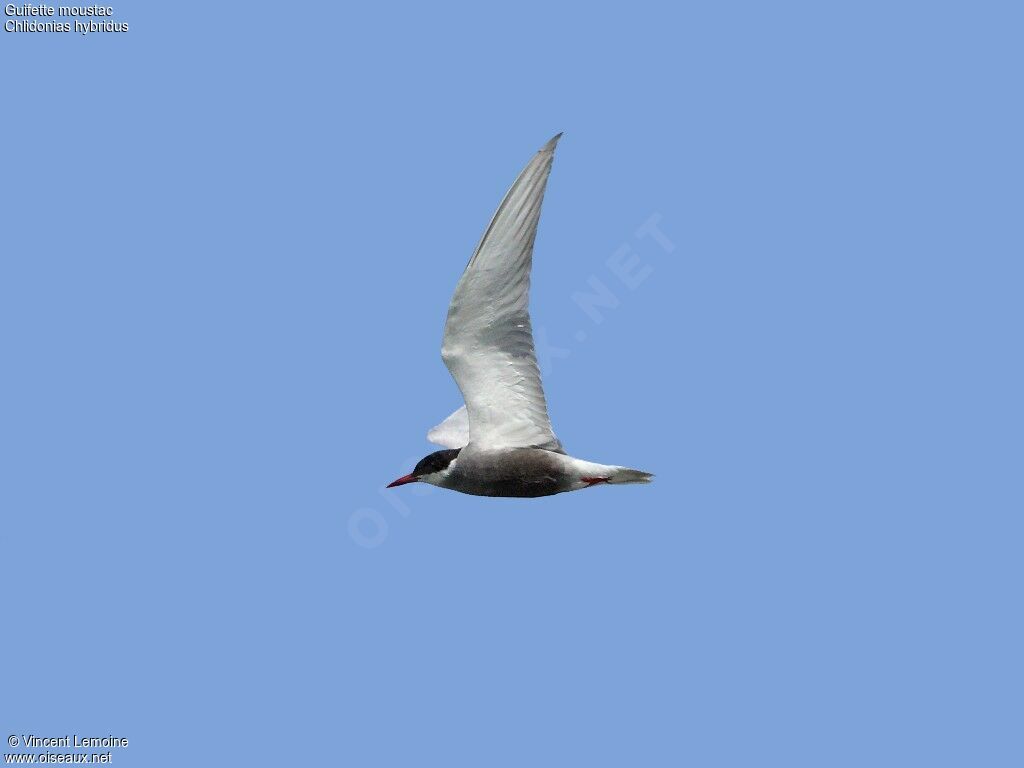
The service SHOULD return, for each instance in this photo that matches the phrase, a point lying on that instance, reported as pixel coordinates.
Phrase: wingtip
(550, 146)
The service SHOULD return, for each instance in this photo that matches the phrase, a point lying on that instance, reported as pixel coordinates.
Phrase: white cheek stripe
(436, 478)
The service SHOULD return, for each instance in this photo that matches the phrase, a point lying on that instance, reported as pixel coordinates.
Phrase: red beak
(403, 481)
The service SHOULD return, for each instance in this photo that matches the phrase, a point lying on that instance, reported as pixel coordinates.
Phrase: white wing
(488, 341)
(453, 432)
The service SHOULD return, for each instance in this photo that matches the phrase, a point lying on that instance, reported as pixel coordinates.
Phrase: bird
(500, 442)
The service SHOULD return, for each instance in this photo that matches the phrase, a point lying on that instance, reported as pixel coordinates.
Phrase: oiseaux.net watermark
(624, 271)
(71, 748)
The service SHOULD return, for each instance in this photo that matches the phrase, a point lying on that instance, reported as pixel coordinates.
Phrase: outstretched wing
(453, 432)
(488, 341)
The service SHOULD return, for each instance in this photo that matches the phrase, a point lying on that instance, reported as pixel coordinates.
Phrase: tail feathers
(623, 475)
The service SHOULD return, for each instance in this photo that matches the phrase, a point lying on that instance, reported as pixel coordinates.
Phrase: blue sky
(230, 238)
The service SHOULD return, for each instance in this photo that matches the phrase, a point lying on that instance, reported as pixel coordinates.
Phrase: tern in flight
(500, 443)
